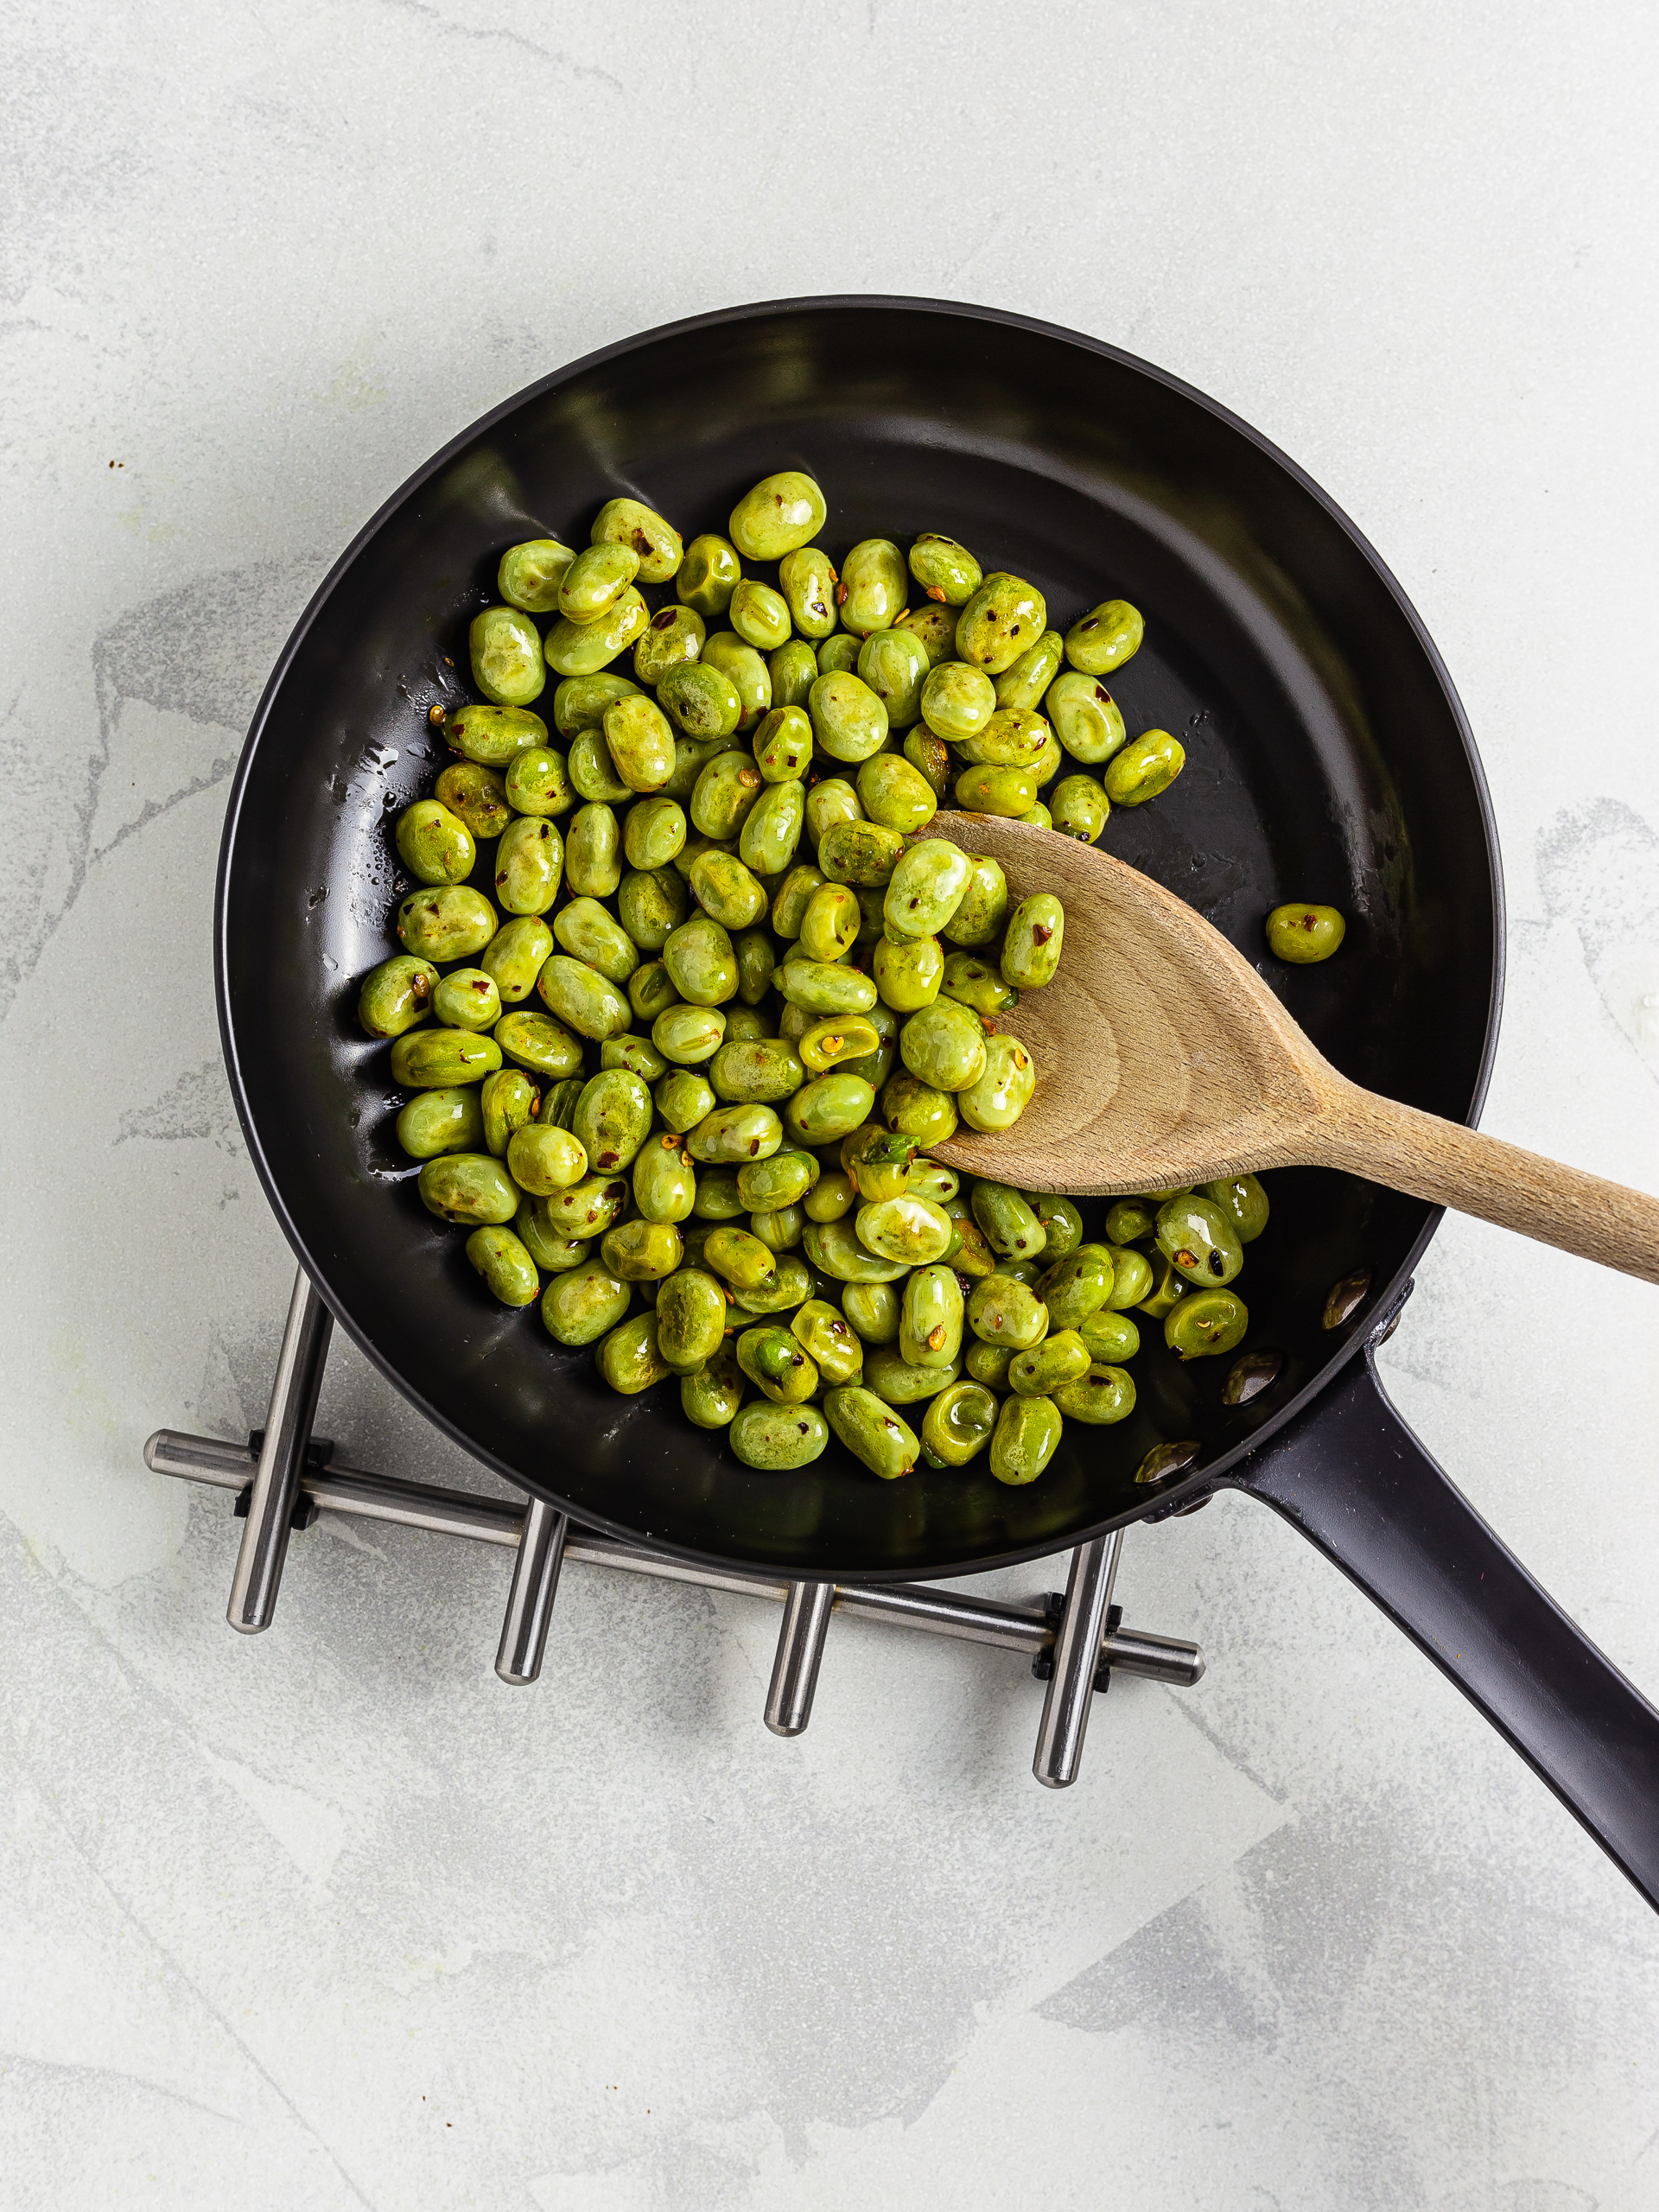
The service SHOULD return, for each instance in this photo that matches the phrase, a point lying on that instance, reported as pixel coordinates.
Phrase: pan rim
(1211, 1474)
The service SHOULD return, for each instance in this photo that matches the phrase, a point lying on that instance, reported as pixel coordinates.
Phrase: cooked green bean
(1243, 1201)
(793, 669)
(585, 648)
(1026, 1438)
(710, 1398)
(529, 574)
(1304, 934)
(775, 1437)
(778, 515)
(1105, 638)
(657, 543)
(872, 1431)
(450, 1120)
(808, 578)
(1197, 1236)
(747, 962)
(396, 995)
(908, 972)
(1146, 767)
(1005, 617)
(505, 648)
(750, 678)
(896, 795)
(438, 1059)
(944, 1046)
(849, 720)
(893, 664)
(760, 615)
(958, 1424)
(691, 1318)
(1211, 1321)
(708, 573)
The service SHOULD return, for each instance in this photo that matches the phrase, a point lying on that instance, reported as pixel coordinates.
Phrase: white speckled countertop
(328, 1918)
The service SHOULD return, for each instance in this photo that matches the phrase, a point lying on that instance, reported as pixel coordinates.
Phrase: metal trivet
(284, 1477)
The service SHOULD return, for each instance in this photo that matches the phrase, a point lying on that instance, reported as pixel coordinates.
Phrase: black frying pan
(1327, 758)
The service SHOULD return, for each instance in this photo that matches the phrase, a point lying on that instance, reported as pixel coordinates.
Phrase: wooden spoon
(1163, 1058)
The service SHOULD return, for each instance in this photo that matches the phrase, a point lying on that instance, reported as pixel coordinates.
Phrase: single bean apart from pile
(681, 1006)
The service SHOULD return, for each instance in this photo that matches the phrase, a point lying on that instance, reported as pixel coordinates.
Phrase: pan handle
(1353, 1478)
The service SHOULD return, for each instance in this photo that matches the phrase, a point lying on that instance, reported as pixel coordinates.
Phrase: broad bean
(1105, 638)
(871, 1430)
(529, 574)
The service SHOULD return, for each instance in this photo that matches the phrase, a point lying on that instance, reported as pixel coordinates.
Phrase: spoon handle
(1452, 1165)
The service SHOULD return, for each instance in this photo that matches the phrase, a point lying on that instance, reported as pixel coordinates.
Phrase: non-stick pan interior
(1326, 759)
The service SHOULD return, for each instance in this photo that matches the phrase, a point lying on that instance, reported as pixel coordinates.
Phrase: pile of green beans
(687, 1056)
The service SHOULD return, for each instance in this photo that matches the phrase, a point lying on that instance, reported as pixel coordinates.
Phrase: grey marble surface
(329, 1918)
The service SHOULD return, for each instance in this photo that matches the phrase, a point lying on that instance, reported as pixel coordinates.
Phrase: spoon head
(1162, 1058)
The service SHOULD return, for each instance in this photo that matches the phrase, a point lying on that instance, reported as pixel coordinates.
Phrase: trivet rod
(947, 1612)
(529, 1600)
(1026, 1628)
(344, 1490)
(800, 1651)
(1076, 1654)
(1160, 1658)
(276, 1482)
